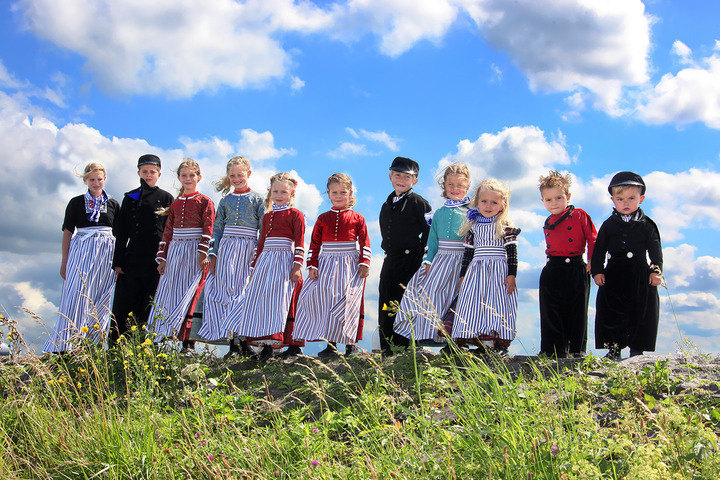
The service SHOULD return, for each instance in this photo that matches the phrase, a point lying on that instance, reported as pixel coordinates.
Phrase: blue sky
(511, 88)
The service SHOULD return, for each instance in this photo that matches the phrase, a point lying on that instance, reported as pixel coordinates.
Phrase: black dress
(627, 307)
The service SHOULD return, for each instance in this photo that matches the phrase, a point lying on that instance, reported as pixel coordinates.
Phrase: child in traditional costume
(627, 309)
(331, 300)
(431, 290)
(138, 232)
(565, 279)
(487, 302)
(265, 315)
(235, 234)
(86, 266)
(182, 258)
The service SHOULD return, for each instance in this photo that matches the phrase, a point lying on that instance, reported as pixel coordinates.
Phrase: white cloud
(347, 149)
(683, 52)
(689, 96)
(382, 137)
(297, 83)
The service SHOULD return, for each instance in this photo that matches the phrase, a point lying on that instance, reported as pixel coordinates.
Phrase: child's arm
(299, 239)
(590, 237)
(426, 208)
(217, 233)
(655, 254)
(365, 252)
(432, 245)
(512, 258)
(597, 263)
(467, 255)
(65, 252)
(122, 235)
(161, 255)
(314, 250)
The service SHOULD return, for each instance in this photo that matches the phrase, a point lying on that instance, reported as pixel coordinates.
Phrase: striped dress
(484, 309)
(235, 235)
(187, 233)
(330, 307)
(89, 277)
(261, 316)
(428, 296)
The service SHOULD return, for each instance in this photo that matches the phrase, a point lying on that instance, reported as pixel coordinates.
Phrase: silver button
(567, 260)
(629, 254)
(407, 251)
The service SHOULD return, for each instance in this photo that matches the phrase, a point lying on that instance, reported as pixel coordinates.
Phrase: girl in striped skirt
(182, 258)
(331, 301)
(86, 266)
(487, 302)
(235, 235)
(431, 290)
(262, 315)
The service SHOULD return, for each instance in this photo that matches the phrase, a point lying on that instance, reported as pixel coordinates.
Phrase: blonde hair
(344, 180)
(223, 185)
(555, 179)
(281, 177)
(503, 217)
(621, 188)
(91, 168)
(186, 163)
(454, 169)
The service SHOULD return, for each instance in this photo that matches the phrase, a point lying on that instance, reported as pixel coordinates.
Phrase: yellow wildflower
(50, 382)
(79, 385)
(143, 327)
(84, 329)
(146, 343)
(96, 326)
(61, 380)
(384, 307)
(133, 328)
(82, 370)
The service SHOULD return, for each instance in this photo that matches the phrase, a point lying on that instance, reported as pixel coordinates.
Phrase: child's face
(238, 176)
(628, 200)
(189, 179)
(402, 182)
(281, 192)
(456, 186)
(489, 203)
(95, 182)
(149, 173)
(339, 195)
(555, 199)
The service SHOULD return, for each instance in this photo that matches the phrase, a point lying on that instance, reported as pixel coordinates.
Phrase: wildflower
(385, 307)
(96, 326)
(197, 435)
(146, 343)
(554, 450)
(61, 380)
(210, 457)
(89, 410)
(161, 355)
(129, 353)
(82, 370)
(315, 430)
(84, 329)
(277, 473)
(315, 463)
(245, 450)
(133, 328)
(50, 382)
(9, 338)
(79, 385)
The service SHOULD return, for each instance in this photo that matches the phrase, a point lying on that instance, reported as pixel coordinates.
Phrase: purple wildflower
(554, 450)
(315, 430)
(315, 463)
(210, 457)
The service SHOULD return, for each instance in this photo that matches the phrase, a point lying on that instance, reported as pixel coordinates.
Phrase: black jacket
(403, 225)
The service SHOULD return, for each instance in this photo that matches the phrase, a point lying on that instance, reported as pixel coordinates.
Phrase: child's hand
(459, 285)
(427, 268)
(655, 279)
(587, 268)
(203, 262)
(161, 267)
(599, 279)
(510, 283)
(213, 263)
(119, 271)
(63, 269)
(313, 274)
(295, 273)
(363, 271)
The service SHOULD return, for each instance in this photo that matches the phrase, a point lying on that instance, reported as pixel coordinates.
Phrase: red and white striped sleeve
(298, 226)
(363, 241)
(161, 255)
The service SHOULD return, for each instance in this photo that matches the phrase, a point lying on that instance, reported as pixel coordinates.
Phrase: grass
(140, 411)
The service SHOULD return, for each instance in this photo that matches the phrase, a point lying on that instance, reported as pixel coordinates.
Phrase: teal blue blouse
(446, 222)
(238, 210)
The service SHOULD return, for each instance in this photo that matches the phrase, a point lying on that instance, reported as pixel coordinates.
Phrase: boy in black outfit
(404, 233)
(138, 231)
(627, 308)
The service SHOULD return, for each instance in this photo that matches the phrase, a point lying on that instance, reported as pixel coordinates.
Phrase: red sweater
(339, 226)
(188, 211)
(288, 223)
(569, 237)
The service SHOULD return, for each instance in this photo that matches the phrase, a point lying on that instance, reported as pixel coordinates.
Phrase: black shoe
(614, 353)
(245, 349)
(292, 351)
(234, 350)
(329, 351)
(351, 350)
(187, 348)
(266, 354)
(635, 353)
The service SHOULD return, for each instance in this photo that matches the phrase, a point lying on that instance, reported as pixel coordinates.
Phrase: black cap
(149, 159)
(405, 165)
(627, 178)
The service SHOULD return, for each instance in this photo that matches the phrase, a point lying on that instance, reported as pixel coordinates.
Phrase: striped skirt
(427, 297)
(484, 309)
(178, 285)
(87, 289)
(263, 309)
(329, 307)
(224, 289)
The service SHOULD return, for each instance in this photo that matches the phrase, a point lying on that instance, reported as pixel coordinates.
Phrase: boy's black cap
(627, 178)
(149, 159)
(405, 165)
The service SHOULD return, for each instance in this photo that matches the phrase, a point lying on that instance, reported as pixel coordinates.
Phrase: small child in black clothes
(627, 308)
(404, 236)
(138, 231)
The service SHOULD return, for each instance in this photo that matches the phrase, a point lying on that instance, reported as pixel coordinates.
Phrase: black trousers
(564, 294)
(628, 307)
(397, 270)
(133, 293)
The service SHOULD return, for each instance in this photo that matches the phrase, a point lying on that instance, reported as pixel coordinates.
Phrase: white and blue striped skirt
(262, 311)
(329, 307)
(87, 289)
(428, 296)
(484, 309)
(178, 285)
(224, 290)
